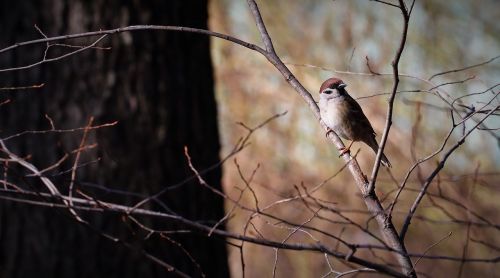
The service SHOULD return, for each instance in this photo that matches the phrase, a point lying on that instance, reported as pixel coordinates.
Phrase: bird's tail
(374, 145)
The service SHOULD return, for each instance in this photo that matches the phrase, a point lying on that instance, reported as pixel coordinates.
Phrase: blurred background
(320, 39)
(168, 90)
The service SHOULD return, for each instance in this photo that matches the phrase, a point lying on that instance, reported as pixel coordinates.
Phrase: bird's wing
(357, 112)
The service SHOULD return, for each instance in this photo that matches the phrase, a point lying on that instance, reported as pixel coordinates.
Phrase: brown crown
(330, 83)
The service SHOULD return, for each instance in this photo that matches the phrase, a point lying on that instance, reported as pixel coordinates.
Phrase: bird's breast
(333, 113)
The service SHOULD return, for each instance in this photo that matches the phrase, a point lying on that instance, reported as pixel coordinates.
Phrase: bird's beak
(340, 86)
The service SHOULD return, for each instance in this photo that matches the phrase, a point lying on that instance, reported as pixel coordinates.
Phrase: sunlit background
(320, 39)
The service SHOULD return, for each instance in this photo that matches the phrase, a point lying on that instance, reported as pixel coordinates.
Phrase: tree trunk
(159, 86)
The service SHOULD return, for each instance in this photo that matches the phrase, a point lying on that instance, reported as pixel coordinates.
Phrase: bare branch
(92, 206)
(137, 28)
(388, 122)
(77, 158)
(52, 130)
(392, 243)
(45, 60)
(36, 86)
(428, 181)
(371, 200)
(47, 182)
(465, 68)
(430, 247)
(386, 3)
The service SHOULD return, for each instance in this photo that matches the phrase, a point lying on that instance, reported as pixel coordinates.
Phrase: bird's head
(332, 88)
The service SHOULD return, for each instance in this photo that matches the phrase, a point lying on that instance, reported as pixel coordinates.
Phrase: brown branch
(386, 3)
(246, 182)
(92, 206)
(77, 158)
(441, 148)
(137, 28)
(371, 200)
(429, 180)
(417, 164)
(36, 86)
(52, 130)
(53, 166)
(163, 234)
(452, 82)
(5, 102)
(47, 182)
(487, 244)
(369, 67)
(239, 146)
(45, 60)
(388, 122)
(430, 247)
(465, 68)
(294, 230)
(261, 213)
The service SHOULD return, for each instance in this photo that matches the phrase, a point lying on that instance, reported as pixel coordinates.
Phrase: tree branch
(431, 177)
(390, 108)
(371, 200)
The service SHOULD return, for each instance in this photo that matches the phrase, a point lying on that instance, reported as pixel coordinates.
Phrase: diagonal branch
(431, 177)
(371, 200)
(465, 68)
(101, 206)
(390, 108)
(47, 182)
(48, 60)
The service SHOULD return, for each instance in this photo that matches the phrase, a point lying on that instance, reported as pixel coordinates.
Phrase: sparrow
(342, 114)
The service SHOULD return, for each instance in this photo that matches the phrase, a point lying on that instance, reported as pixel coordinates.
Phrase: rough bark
(159, 86)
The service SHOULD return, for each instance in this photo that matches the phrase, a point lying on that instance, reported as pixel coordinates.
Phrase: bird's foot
(328, 132)
(344, 151)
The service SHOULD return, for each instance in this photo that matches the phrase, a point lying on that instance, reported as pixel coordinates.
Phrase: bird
(342, 114)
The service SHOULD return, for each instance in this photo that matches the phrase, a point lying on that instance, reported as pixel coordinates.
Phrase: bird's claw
(328, 132)
(344, 151)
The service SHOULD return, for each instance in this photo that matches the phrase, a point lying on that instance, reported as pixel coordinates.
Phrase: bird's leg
(345, 150)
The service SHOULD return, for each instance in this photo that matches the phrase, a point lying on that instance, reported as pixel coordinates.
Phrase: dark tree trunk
(159, 86)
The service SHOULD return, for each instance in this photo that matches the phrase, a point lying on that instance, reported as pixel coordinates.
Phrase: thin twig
(429, 179)
(465, 68)
(36, 86)
(430, 247)
(388, 122)
(77, 158)
(371, 200)
(45, 60)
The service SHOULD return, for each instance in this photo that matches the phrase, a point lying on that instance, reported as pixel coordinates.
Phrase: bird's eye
(328, 91)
